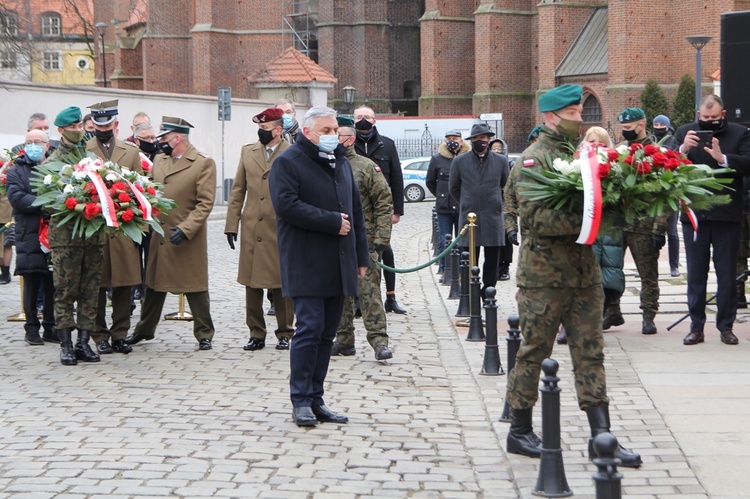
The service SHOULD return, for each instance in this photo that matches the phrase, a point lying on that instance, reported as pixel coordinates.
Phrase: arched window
(51, 24)
(592, 111)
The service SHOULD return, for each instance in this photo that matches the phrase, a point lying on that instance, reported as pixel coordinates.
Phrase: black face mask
(660, 132)
(713, 125)
(88, 136)
(363, 125)
(453, 146)
(104, 135)
(479, 146)
(166, 148)
(265, 136)
(629, 135)
(148, 147)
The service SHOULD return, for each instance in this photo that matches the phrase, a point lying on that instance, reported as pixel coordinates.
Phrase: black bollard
(551, 481)
(435, 240)
(463, 298)
(455, 291)
(447, 267)
(607, 478)
(476, 331)
(514, 342)
(491, 365)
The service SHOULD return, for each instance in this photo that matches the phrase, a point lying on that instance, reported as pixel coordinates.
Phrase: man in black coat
(31, 261)
(323, 250)
(718, 227)
(382, 151)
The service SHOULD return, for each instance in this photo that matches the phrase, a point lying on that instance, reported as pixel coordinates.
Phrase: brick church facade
(431, 57)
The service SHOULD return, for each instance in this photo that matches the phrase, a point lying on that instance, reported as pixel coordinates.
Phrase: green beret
(631, 114)
(534, 133)
(560, 97)
(345, 121)
(68, 116)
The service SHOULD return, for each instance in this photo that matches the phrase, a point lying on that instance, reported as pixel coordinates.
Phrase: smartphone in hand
(705, 138)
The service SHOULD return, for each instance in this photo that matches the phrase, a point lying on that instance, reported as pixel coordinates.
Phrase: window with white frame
(8, 23)
(8, 59)
(51, 24)
(52, 60)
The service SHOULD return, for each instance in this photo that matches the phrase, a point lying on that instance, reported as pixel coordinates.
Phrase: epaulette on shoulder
(130, 144)
(203, 155)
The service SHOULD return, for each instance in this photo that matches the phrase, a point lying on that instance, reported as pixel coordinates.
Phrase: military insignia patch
(528, 162)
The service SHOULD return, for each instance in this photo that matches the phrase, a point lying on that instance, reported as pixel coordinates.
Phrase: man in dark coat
(31, 261)
(382, 151)
(718, 227)
(323, 250)
(476, 181)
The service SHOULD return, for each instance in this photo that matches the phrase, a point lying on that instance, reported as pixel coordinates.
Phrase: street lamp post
(698, 42)
(101, 27)
(349, 92)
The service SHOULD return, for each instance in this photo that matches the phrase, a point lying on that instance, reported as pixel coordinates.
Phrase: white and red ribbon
(108, 206)
(142, 201)
(693, 219)
(592, 195)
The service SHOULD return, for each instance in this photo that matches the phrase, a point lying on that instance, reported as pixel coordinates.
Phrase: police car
(414, 171)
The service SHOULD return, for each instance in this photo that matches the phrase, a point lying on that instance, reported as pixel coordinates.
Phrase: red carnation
(91, 211)
(155, 212)
(644, 167)
(89, 187)
(651, 149)
(635, 146)
(123, 197)
(119, 186)
(95, 199)
(660, 159)
(138, 187)
(672, 164)
(686, 161)
(71, 203)
(612, 155)
(604, 169)
(629, 160)
(672, 154)
(145, 165)
(127, 215)
(151, 191)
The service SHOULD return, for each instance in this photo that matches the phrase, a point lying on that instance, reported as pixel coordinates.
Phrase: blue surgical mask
(328, 143)
(34, 152)
(287, 120)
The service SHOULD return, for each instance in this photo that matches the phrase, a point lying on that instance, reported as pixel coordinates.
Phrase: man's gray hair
(285, 101)
(317, 112)
(35, 117)
(143, 126)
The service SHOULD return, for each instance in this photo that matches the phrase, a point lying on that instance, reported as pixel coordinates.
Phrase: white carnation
(47, 179)
(111, 177)
(68, 189)
(80, 175)
(622, 149)
(562, 166)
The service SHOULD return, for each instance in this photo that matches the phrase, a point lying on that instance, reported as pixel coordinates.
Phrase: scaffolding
(299, 21)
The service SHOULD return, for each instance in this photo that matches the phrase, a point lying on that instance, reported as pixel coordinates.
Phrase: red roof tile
(292, 66)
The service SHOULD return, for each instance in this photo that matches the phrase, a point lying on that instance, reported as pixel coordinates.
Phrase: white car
(414, 171)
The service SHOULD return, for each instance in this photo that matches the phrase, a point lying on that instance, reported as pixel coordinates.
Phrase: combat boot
(67, 355)
(51, 336)
(611, 320)
(599, 422)
(521, 437)
(83, 350)
(391, 305)
(648, 326)
(741, 298)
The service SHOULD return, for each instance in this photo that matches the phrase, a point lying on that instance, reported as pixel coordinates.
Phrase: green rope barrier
(424, 265)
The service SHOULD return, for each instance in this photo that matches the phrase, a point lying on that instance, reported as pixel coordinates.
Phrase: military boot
(599, 422)
(83, 350)
(648, 326)
(612, 319)
(51, 336)
(391, 305)
(521, 437)
(67, 355)
(741, 298)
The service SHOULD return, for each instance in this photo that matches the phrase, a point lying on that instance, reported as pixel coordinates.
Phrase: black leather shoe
(391, 305)
(121, 347)
(33, 338)
(504, 276)
(343, 350)
(103, 347)
(51, 336)
(304, 416)
(137, 338)
(254, 344)
(728, 337)
(325, 415)
(382, 353)
(693, 338)
(282, 344)
(271, 311)
(205, 344)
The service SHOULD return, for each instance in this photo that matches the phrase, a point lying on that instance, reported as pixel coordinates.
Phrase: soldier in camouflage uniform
(559, 282)
(76, 261)
(377, 206)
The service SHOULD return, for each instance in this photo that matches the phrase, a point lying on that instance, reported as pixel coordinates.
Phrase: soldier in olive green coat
(377, 206)
(559, 282)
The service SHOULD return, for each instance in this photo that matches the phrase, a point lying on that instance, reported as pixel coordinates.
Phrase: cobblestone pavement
(169, 420)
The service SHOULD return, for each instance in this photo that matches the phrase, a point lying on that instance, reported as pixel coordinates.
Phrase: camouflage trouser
(647, 262)
(743, 252)
(542, 310)
(76, 274)
(373, 313)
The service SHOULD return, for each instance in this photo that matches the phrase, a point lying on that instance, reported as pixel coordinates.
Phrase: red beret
(270, 114)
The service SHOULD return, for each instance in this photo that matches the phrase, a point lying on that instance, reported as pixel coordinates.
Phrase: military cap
(268, 115)
(661, 120)
(480, 129)
(170, 124)
(534, 133)
(631, 114)
(345, 121)
(104, 113)
(68, 116)
(560, 97)
(453, 133)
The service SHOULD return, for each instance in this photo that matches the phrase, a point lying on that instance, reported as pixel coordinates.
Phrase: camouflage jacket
(549, 256)
(377, 201)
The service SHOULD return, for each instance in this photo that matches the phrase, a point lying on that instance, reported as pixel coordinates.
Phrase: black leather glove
(379, 248)
(178, 237)
(658, 241)
(231, 239)
(512, 236)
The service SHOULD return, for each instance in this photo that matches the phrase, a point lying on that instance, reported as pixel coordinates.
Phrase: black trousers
(489, 267)
(32, 282)
(724, 239)
(390, 277)
(506, 254)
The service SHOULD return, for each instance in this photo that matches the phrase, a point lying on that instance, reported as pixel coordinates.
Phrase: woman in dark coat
(31, 261)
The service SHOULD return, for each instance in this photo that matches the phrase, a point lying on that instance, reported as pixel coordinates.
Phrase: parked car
(414, 171)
